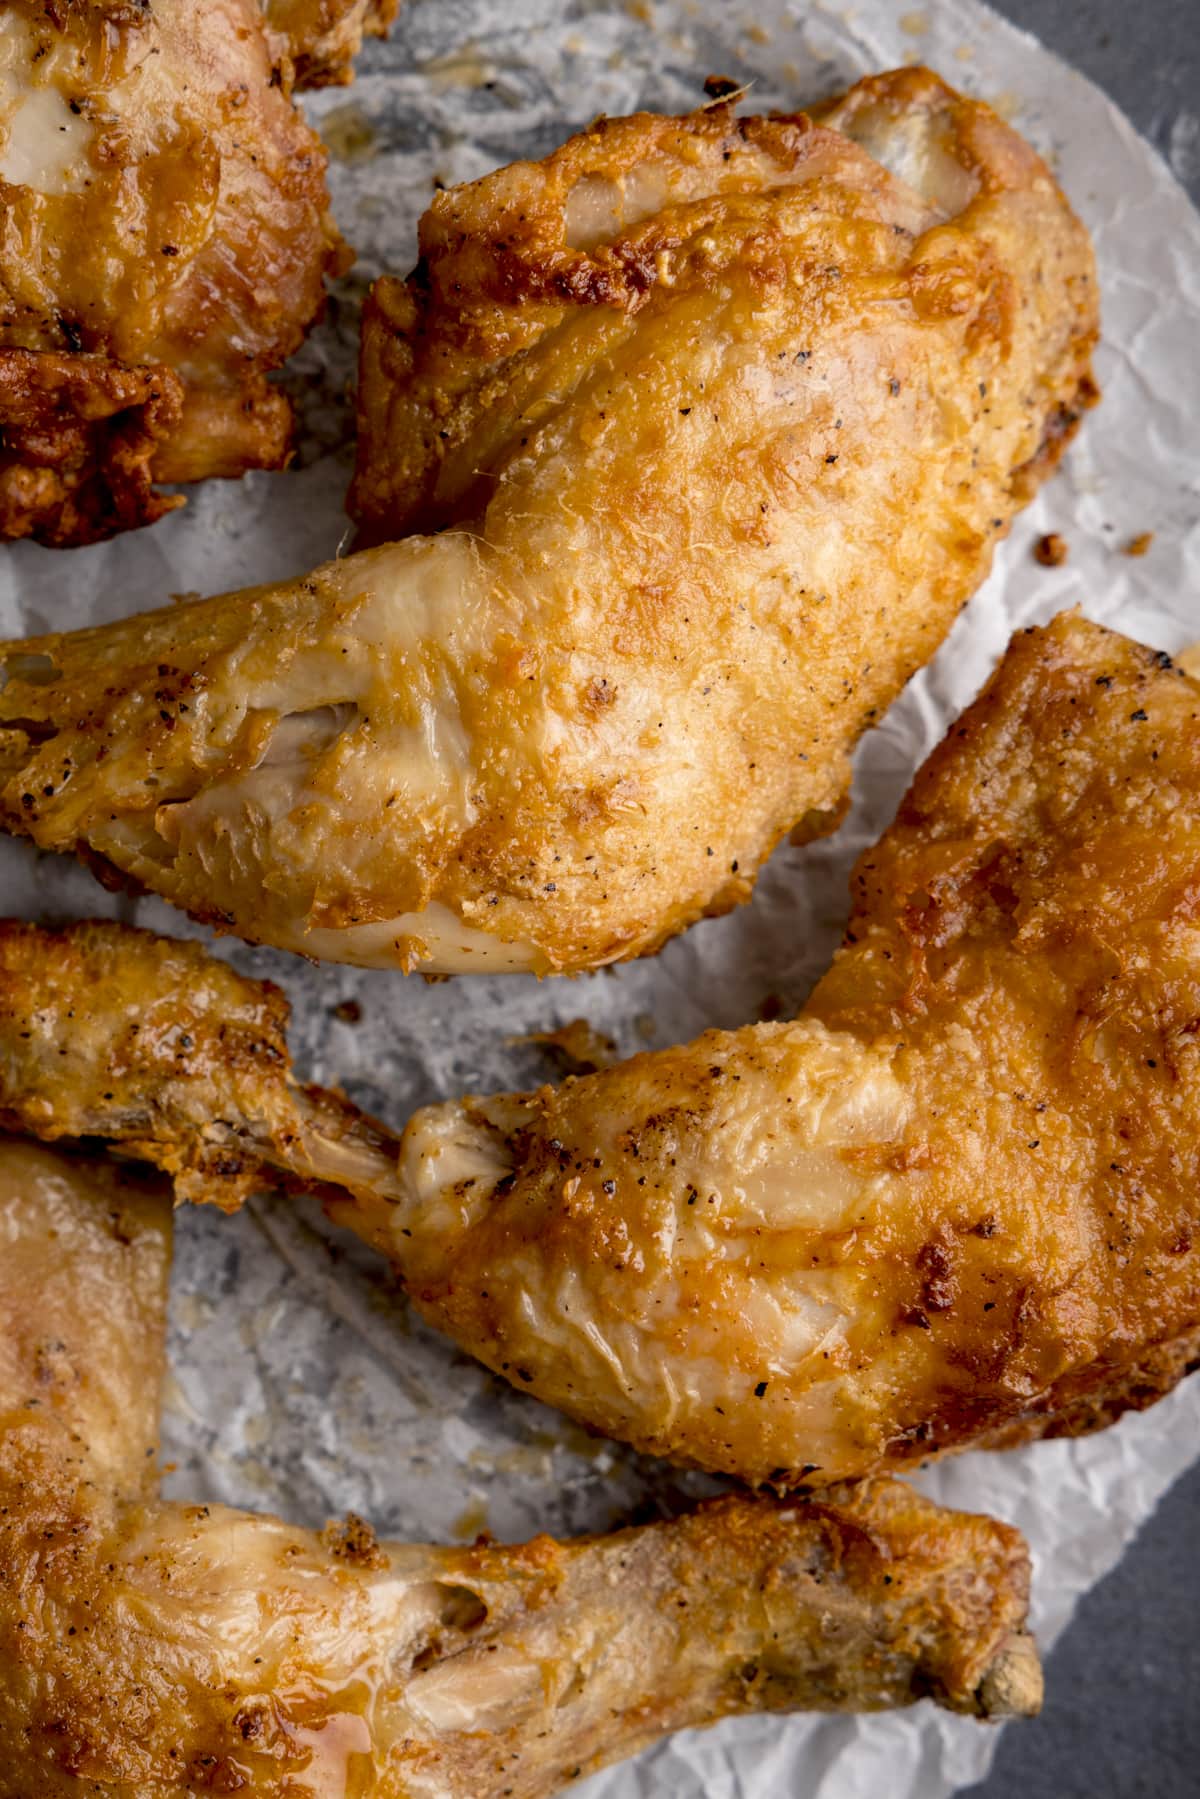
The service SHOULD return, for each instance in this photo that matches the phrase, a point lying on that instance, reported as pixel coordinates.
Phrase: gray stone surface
(1122, 1718)
(1146, 56)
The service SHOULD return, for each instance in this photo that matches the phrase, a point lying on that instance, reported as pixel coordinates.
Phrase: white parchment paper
(300, 1381)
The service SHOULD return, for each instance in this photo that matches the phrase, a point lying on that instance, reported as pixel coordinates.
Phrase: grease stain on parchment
(348, 134)
(463, 68)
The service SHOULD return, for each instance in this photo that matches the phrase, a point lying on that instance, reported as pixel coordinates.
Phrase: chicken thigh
(717, 421)
(953, 1203)
(150, 1648)
(166, 239)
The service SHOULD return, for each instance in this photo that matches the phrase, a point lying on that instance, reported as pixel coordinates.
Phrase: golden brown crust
(80, 435)
(463, 362)
(724, 420)
(450, 356)
(324, 36)
(953, 1202)
(1098, 1396)
(172, 1054)
(1037, 892)
(170, 213)
(147, 1649)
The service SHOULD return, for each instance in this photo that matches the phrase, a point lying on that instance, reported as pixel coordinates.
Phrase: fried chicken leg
(166, 241)
(954, 1202)
(147, 1647)
(727, 419)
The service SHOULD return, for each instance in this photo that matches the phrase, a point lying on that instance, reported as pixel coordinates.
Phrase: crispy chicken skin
(148, 1648)
(85, 1254)
(166, 238)
(725, 420)
(953, 1203)
(609, 325)
(324, 36)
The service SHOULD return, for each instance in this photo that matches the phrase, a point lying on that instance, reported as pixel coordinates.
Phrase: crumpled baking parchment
(300, 1382)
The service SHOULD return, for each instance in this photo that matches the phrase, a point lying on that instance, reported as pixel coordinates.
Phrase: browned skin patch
(143, 308)
(324, 36)
(80, 434)
(457, 359)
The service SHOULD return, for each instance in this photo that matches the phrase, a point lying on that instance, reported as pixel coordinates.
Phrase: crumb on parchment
(352, 1540)
(578, 1043)
(1051, 550)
